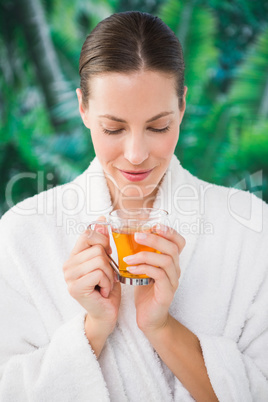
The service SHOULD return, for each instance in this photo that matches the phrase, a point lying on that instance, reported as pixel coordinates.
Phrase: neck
(125, 203)
(122, 201)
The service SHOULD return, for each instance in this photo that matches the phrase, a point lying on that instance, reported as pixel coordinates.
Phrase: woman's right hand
(92, 282)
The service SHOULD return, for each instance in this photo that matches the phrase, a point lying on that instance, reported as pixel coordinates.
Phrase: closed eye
(109, 132)
(155, 130)
(159, 130)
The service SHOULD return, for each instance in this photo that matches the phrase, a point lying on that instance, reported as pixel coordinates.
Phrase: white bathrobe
(222, 297)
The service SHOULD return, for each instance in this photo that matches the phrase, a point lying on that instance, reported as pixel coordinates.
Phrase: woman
(199, 330)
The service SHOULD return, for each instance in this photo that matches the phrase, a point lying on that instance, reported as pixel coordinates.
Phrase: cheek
(105, 148)
(166, 146)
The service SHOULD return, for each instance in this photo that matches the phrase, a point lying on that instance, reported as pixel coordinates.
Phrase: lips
(135, 175)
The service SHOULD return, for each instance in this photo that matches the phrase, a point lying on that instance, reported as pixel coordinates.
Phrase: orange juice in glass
(124, 223)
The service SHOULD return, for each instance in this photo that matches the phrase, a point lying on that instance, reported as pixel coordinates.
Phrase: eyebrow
(109, 116)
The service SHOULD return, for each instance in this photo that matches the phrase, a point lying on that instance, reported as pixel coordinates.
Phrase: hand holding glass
(124, 223)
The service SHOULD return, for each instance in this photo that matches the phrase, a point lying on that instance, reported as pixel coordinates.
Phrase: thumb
(103, 229)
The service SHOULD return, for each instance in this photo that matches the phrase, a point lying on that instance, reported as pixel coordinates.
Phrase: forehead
(133, 91)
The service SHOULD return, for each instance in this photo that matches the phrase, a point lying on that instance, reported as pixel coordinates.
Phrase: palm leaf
(249, 93)
(239, 110)
(195, 26)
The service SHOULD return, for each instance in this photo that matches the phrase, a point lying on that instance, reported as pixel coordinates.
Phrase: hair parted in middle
(128, 42)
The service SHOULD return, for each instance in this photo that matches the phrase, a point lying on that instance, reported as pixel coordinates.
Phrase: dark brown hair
(128, 42)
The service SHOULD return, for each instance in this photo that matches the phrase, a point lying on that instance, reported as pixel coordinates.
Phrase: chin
(134, 194)
(141, 193)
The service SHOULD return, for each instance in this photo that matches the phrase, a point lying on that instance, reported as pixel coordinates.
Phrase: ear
(182, 110)
(82, 111)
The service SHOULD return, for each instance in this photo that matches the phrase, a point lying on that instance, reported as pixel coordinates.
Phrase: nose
(136, 149)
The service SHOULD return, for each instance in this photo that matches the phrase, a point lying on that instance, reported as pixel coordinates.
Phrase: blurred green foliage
(224, 134)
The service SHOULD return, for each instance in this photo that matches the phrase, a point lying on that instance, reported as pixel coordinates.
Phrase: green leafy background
(224, 133)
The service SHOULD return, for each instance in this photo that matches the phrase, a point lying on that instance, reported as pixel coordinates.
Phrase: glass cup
(123, 224)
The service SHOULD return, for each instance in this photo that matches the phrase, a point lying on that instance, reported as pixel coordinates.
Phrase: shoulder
(236, 238)
(231, 206)
(232, 218)
(46, 209)
(240, 209)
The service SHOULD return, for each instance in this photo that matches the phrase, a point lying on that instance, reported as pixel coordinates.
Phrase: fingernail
(110, 250)
(132, 268)
(129, 258)
(140, 236)
(100, 229)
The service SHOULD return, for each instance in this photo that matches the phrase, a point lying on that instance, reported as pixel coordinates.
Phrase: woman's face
(134, 121)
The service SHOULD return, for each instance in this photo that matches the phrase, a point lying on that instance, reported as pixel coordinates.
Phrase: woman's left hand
(153, 301)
